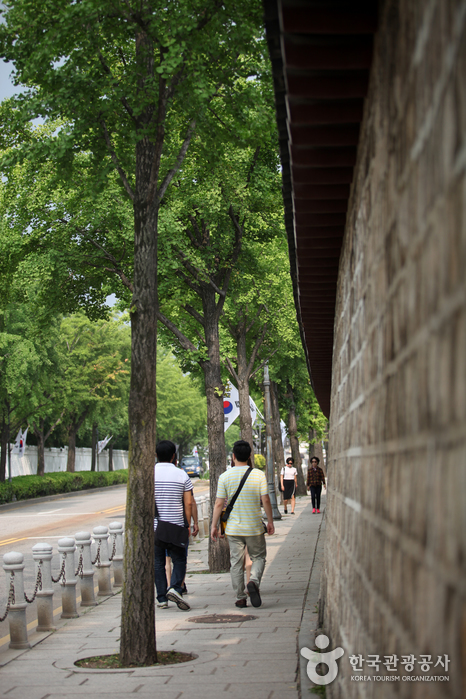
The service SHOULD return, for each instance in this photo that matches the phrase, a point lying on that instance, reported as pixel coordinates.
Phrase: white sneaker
(175, 597)
(162, 605)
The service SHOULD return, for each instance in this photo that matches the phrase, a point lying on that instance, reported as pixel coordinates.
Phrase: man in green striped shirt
(244, 528)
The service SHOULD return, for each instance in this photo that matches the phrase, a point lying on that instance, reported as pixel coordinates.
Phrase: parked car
(192, 465)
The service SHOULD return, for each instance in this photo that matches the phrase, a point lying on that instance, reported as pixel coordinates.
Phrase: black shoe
(241, 603)
(286, 511)
(184, 589)
(254, 594)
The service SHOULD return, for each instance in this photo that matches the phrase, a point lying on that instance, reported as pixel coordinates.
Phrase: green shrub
(27, 487)
(259, 461)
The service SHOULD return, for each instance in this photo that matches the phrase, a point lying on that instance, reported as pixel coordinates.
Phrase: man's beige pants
(257, 551)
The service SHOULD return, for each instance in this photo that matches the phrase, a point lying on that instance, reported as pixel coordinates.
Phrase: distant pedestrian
(289, 482)
(315, 481)
(173, 509)
(244, 528)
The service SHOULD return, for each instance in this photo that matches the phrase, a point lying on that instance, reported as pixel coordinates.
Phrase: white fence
(55, 460)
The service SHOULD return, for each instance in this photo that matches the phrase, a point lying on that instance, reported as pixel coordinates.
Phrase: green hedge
(26, 487)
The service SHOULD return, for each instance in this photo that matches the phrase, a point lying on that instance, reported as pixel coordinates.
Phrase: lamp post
(269, 457)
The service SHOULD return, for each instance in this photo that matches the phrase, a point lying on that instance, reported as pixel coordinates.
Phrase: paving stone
(254, 659)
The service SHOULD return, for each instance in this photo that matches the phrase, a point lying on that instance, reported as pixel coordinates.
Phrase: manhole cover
(222, 618)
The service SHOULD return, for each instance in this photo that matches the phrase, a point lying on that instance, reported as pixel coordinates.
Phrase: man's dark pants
(178, 556)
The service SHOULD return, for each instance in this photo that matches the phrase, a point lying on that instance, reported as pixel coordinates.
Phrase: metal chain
(80, 568)
(61, 575)
(114, 548)
(38, 585)
(96, 560)
(11, 596)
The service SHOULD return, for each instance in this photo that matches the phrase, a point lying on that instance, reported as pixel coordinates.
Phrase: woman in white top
(289, 481)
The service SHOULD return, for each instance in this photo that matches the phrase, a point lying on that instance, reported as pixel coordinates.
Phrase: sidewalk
(256, 659)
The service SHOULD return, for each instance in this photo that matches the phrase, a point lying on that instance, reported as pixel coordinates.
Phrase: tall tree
(181, 404)
(95, 372)
(277, 442)
(257, 311)
(132, 80)
(206, 219)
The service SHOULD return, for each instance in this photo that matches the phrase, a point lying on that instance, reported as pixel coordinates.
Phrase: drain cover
(222, 618)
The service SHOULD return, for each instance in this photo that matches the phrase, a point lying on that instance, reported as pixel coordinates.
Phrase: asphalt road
(47, 521)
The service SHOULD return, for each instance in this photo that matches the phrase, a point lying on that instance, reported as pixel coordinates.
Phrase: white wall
(55, 460)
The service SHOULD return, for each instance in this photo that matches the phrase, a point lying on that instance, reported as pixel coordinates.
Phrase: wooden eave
(321, 55)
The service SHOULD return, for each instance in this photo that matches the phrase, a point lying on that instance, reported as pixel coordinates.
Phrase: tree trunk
(245, 422)
(137, 644)
(219, 552)
(294, 442)
(278, 452)
(71, 460)
(75, 425)
(94, 446)
(4, 448)
(316, 449)
(110, 457)
(39, 434)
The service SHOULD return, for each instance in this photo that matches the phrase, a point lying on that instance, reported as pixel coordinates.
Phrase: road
(47, 521)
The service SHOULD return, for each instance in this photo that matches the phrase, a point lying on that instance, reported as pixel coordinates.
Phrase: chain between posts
(97, 556)
(61, 576)
(38, 585)
(113, 548)
(11, 596)
(80, 568)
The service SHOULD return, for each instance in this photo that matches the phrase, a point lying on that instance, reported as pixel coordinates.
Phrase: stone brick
(396, 534)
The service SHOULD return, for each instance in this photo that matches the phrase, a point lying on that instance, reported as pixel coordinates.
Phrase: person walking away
(173, 501)
(315, 481)
(244, 528)
(194, 532)
(289, 483)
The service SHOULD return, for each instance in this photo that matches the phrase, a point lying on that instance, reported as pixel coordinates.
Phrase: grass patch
(27, 487)
(112, 662)
(320, 691)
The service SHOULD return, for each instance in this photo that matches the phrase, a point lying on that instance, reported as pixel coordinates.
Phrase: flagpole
(268, 430)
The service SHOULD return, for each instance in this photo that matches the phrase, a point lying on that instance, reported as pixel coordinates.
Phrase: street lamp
(268, 431)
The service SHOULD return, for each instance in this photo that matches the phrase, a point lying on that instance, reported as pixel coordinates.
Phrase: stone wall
(395, 571)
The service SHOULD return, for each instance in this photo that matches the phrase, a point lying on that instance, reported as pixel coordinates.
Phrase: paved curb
(310, 618)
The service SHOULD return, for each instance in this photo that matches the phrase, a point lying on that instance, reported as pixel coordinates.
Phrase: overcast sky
(7, 89)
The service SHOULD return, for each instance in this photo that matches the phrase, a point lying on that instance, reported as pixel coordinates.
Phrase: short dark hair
(315, 458)
(242, 450)
(165, 451)
(290, 460)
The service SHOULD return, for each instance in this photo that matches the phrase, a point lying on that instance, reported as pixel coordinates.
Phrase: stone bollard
(42, 555)
(102, 561)
(67, 578)
(200, 516)
(13, 563)
(116, 531)
(86, 574)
